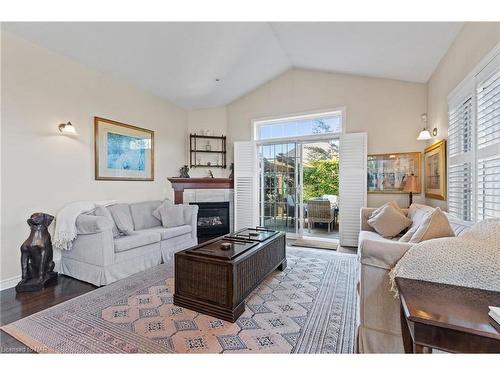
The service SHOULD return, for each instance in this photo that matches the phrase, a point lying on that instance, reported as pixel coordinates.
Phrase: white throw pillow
(435, 225)
(103, 211)
(409, 234)
(389, 221)
(156, 212)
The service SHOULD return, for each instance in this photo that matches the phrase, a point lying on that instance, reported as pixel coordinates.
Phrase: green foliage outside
(321, 177)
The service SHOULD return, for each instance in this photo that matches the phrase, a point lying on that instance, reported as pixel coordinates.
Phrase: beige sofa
(380, 329)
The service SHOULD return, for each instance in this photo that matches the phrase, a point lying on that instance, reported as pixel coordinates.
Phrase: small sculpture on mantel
(210, 174)
(37, 264)
(184, 172)
(231, 168)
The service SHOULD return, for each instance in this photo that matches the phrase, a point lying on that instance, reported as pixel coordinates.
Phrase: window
(298, 126)
(474, 144)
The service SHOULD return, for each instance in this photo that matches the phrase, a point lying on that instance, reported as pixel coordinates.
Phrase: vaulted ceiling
(201, 65)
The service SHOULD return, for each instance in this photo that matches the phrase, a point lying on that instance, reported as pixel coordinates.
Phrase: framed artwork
(435, 171)
(123, 152)
(386, 172)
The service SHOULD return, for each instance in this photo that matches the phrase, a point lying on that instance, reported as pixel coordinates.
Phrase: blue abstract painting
(126, 152)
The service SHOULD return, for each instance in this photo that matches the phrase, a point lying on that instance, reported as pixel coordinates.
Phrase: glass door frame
(299, 175)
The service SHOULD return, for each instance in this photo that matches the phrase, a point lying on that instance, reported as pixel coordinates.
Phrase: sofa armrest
(90, 224)
(95, 248)
(382, 253)
(191, 218)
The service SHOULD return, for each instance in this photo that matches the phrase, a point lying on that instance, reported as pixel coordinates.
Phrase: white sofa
(380, 327)
(99, 258)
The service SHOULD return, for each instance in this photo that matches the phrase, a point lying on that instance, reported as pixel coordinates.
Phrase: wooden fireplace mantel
(179, 184)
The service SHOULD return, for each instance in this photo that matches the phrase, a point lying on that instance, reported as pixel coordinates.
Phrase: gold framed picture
(386, 172)
(123, 152)
(435, 170)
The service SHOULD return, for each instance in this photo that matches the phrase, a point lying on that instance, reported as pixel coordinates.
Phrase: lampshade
(68, 128)
(411, 184)
(424, 135)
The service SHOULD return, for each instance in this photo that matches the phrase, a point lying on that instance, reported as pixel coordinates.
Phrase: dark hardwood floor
(16, 306)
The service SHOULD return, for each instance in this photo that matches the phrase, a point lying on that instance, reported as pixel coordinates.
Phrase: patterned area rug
(308, 308)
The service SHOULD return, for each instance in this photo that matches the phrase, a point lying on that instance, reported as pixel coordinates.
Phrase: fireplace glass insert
(213, 220)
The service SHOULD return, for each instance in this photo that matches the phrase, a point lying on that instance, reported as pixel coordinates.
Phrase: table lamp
(410, 185)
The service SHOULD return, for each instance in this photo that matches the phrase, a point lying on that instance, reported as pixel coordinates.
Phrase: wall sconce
(426, 134)
(67, 129)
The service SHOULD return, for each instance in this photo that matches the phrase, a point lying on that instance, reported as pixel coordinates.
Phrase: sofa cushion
(122, 217)
(136, 239)
(435, 225)
(104, 212)
(389, 221)
(142, 214)
(167, 233)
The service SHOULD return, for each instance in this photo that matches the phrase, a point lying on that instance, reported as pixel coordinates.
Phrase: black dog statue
(36, 255)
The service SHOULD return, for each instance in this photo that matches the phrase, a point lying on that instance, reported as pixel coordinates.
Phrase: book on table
(494, 313)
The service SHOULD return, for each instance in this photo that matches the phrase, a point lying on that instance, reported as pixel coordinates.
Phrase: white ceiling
(180, 61)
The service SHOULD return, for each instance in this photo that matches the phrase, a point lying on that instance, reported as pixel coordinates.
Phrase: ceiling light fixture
(67, 129)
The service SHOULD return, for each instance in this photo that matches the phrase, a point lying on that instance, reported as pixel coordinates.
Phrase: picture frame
(123, 152)
(386, 172)
(435, 170)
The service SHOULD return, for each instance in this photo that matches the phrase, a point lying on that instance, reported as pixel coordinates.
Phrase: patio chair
(320, 211)
(290, 209)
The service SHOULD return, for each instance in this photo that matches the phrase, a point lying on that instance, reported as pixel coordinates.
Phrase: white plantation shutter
(352, 185)
(245, 185)
(488, 141)
(460, 191)
(461, 158)
(474, 143)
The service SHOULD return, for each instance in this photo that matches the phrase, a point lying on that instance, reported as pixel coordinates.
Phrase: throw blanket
(65, 231)
(471, 260)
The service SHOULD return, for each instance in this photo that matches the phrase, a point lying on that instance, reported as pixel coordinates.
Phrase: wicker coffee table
(215, 277)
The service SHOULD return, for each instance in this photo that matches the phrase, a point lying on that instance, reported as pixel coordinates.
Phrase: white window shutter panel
(352, 186)
(245, 185)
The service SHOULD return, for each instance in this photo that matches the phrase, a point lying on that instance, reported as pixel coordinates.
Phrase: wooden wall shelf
(194, 149)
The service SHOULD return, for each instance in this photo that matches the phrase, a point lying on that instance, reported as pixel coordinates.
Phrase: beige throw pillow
(435, 225)
(389, 221)
(391, 203)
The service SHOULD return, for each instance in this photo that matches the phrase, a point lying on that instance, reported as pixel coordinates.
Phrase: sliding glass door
(280, 186)
(295, 177)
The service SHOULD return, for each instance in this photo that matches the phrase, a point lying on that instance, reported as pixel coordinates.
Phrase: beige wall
(214, 120)
(473, 42)
(41, 169)
(388, 110)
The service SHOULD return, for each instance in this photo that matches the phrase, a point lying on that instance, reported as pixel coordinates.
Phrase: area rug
(310, 307)
(317, 244)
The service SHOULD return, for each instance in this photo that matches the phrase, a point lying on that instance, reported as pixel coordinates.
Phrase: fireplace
(213, 220)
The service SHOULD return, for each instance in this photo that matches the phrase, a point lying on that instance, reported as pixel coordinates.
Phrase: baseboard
(10, 282)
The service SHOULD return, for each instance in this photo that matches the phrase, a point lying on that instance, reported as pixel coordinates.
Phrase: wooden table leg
(405, 331)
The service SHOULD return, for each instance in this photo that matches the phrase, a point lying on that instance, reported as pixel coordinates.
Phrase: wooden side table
(447, 317)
